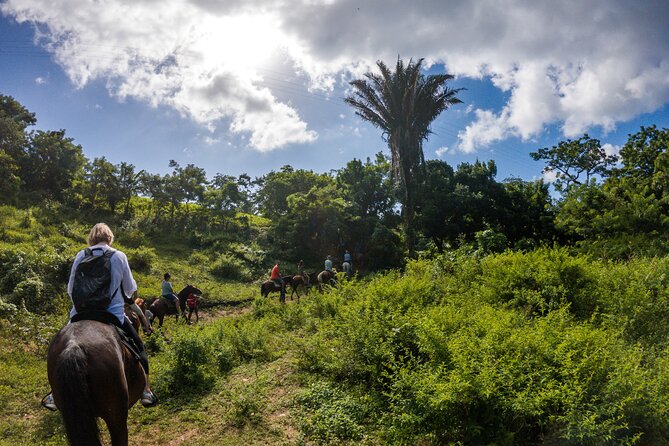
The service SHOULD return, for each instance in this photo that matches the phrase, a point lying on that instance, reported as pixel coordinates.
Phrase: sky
(248, 86)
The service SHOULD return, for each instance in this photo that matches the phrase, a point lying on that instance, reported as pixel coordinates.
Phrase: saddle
(108, 318)
(170, 303)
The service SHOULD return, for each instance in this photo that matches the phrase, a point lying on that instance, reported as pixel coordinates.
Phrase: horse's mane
(183, 294)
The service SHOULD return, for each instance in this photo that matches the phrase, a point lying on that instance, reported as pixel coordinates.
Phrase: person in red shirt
(275, 275)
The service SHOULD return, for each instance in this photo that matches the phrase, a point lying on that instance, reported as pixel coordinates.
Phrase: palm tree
(403, 104)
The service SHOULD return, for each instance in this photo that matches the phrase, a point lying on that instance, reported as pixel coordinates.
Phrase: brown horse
(326, 278)
(160, 307)
(93, 375)
(307, 280)
(269, 286)
(134, 320)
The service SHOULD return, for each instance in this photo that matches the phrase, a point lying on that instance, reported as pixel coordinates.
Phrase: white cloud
(611, 149)
(208, 140)
(486, 129)
(40, 80)
(549, 176)
(441, 151)
(577, 64)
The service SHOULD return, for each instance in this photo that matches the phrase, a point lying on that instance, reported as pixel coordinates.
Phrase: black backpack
(92, 278)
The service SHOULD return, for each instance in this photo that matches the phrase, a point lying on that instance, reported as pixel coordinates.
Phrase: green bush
(450, 353)
(188, 359)
(243, 340)
(230, 268)
(29, 294)
(331, 415)
(141, 259)
(539, 281)
(490, 241)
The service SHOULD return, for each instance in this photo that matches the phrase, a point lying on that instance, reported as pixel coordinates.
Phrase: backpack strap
(109, 253)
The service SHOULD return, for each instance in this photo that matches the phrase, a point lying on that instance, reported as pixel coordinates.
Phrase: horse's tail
(75, 405)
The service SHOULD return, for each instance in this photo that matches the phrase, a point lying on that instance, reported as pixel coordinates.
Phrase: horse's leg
(117, 423)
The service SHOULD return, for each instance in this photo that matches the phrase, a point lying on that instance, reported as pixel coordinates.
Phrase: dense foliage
(525, 320)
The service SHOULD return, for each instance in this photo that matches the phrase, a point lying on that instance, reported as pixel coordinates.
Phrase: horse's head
(189, 289)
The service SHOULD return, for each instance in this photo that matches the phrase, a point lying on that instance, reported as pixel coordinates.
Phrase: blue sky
(247, 87)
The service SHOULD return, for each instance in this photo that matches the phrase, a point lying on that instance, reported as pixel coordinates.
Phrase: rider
(328, 264)
(168, 293)
(300, 268)
(275, 275)
(348, 258)
(100, 240)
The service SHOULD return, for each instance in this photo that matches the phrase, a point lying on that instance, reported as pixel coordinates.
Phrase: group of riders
(275, 274)
(101, 285)
(122, 287)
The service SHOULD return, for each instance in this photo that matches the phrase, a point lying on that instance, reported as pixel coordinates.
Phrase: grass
(251, 404)
(513, 348)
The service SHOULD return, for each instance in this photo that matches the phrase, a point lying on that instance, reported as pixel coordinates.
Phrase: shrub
(188, 358)
(330, 414)
(29, 294)
(228, 267)
(141, 259)
(243, 340)
(7, 309)
(245, 404)
(539, 281)
(490, 241)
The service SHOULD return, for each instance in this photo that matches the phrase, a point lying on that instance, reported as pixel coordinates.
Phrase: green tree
(129, 185)
(99, 185)
(275, 187)
(154, 186)
(438, 208)
(10, 182)
(313, 225)
(575, 161)
(528, 213)
(368, 189)
(14, 119)
(51, 164)
(403, 104)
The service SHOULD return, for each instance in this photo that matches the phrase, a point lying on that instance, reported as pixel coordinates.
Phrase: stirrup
(149, 399)
(49, 403)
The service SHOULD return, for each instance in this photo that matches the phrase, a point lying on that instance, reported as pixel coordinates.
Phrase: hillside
(542, 347)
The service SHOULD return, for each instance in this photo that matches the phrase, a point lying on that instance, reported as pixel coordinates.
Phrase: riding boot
(130, 331)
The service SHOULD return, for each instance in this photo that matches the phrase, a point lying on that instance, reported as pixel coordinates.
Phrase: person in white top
(123, 286)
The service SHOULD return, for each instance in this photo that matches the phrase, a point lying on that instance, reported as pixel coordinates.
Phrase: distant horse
(93, 375)
(326, 278)
(269, 286)
(307, 280)
(159, 307)
(134, 320)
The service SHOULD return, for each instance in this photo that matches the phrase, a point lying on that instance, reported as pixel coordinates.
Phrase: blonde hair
(100, 233)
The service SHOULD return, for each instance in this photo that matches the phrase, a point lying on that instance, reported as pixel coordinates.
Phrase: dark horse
(307, 280)
(326, 278)
(93, 375)
(160, 307)
(268, 286)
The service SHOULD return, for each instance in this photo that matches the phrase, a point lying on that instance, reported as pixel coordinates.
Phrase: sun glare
(242, 41)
